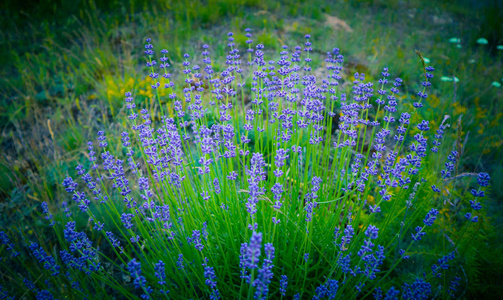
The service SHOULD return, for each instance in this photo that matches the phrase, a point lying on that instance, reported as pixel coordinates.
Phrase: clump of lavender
(254, 168)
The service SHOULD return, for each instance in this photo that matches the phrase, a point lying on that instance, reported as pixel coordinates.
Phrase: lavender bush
(257, 181)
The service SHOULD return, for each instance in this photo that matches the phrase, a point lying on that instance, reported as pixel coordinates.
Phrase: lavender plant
(262, 181)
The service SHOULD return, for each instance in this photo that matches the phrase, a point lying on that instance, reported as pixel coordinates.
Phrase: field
(67, 71)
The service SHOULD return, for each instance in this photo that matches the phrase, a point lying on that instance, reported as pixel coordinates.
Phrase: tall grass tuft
(262, 180)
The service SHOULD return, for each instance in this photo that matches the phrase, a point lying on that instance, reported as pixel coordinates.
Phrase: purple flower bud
(475, 205)
(69, 184)
(430, 217)
(418, 236)
(372, 232)
(483, 179)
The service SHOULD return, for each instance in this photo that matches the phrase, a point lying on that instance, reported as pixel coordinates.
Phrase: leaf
(449, 78)
(426, 60)
(482, 41)
(496, 84)
(499, 47)
(455, 40)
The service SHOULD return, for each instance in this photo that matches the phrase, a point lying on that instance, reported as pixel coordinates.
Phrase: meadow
(251, 149)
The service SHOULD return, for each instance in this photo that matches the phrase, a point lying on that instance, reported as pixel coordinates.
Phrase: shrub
(301, 187)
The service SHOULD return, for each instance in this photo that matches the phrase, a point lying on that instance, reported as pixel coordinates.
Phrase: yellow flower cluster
(434, 100)
(459, 109)
(143, 88)
(481, 113)
(115, 90)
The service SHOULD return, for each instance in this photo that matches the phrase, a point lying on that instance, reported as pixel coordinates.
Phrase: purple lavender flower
(435, 189)
(80, 198)
(179, 262)
(149, 47)
(48, 261)
(373, 261)
(277, 190)
(211, 280)
(45, 210)
(423, 126)
(483, 179)
(377, 293)
(205, 195)
(475, 205)
(366, 247)
(477, 193)
(196, 240)
(140, 282)
(348, 236)
(29, 284)
(98, 226)
(336, 235)
(430, 217)
(115, 242)
(453, 286)
(101, 139)
(283, 284)
(449, 165)
(232, 175)
(216, 184)
(309, 210)
(204, 230)
(315, 181)
(64, 205)
(126, 220)
(333, 286)
(44, 295)
(419, 234)
(374, 208)
(252, 256)
(4, 240)
(160, 273)
(329, 289)
(281, 156)
(420, 289)
(5, 295)
(372, 232)
(392, 294)
(402, 252)
(69, 184)
(86, 259)
(439, 135)
(265, 274)
(442, 264)
(256, 174)
(243, 262)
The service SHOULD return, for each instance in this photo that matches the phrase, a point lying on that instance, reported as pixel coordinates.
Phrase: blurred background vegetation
(65, 66)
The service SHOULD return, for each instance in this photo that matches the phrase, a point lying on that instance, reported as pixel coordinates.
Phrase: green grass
(59, 68)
